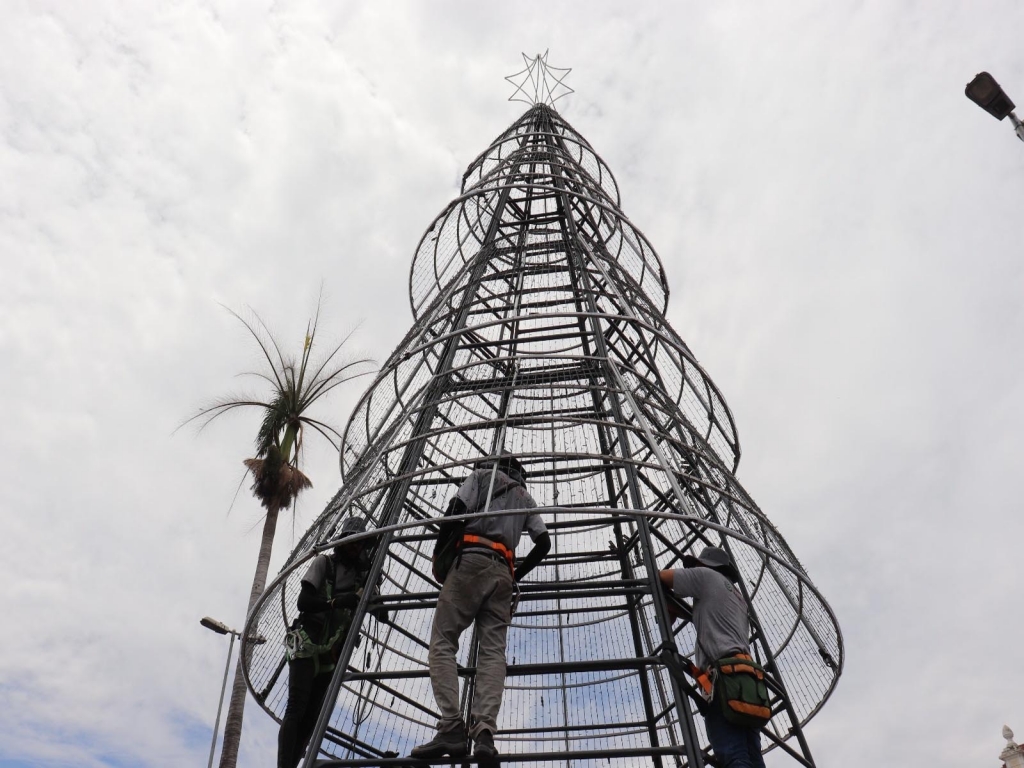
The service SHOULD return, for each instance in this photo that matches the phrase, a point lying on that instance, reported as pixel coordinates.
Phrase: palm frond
(259, 340)
(275, 417)
(307, 347)
(295, 385)
(326, 430)
(219, 408)
(327, 358)
(326, 384)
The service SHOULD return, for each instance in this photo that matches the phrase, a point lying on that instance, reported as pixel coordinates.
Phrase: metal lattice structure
(540, 328)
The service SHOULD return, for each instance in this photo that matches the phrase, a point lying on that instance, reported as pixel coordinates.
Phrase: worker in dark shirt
(330, 591)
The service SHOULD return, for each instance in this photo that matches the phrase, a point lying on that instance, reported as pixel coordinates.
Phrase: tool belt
(473, 541)
(741, 691)
(734, 684)
(299, 642)
(299, 645)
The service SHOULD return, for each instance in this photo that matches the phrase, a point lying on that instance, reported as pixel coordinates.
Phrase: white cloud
(839, 226)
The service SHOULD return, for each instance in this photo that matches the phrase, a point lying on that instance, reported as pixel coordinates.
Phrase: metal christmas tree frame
(540, 329)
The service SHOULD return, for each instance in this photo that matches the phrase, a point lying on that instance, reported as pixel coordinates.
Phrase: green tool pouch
(741, 692)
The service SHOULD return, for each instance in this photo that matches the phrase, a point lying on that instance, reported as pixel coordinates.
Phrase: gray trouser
(479, 589)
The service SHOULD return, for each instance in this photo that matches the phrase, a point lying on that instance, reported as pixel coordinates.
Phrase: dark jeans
(734, 745)
(306, 692)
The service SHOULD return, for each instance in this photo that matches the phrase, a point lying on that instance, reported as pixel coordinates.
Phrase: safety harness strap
(703, 678)
(472, 540)
(729, 669)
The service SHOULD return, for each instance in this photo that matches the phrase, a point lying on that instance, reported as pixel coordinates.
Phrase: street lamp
(223, 629)
(984, 91)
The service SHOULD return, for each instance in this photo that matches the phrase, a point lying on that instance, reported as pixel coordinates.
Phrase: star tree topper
(539, 83)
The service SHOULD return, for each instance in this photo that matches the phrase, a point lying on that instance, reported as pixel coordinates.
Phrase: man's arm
(310, 600)
(675, 607)
(541, 546)
(455, 507)
(379, 612)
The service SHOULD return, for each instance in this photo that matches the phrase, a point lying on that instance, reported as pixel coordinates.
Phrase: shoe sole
(437, 754)
(487, 758)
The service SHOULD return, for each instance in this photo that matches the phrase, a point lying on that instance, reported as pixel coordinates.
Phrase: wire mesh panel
(540, 330)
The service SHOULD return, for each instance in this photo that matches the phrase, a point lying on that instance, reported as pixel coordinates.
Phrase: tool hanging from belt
(703, 678)
(472, 540)
(679, 666)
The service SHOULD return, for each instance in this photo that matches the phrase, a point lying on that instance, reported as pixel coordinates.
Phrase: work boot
(484, 751)
(444, 743)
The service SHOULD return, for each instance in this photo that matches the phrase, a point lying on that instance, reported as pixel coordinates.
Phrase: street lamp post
(223, 629)
(984, 91)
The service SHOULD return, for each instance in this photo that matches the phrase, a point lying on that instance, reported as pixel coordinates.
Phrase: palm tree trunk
(233, 723)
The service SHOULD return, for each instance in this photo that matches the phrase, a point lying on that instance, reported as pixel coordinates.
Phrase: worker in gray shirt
(722, 626)
(479, 588)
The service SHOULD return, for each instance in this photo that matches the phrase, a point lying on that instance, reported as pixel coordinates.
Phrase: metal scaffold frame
(540, 329)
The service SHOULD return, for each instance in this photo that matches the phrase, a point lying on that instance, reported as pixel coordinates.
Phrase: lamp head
(217, 626)
(984, 91)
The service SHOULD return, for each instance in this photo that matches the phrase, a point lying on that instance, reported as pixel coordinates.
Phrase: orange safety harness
(703, 678)
(738, 683)
(472, 540)
(730, 668)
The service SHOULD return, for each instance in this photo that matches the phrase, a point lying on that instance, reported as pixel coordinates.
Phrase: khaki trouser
(479, 589)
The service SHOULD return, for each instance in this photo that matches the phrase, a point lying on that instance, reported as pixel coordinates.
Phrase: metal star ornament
(539, 83)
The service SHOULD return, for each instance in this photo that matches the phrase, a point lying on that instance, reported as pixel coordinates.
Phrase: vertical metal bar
(342, 665)
(645, 687)
(771, 664)
(783, 587)
(627, 570)
(220, 702)
(410, 460)
(691, 745)
(569, 236)
(773, 667)
(497, 445)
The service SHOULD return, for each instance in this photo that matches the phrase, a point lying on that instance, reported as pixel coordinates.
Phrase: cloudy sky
(841, 228)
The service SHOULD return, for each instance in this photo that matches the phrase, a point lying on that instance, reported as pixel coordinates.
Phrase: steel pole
(220, 702)
(411, 457)
(1018, 126)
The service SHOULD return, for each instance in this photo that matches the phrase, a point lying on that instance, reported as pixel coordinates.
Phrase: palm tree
(277, 479)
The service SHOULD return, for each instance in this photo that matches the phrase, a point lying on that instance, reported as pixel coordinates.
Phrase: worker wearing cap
(722, 627)
(479, 588)
(331, 588)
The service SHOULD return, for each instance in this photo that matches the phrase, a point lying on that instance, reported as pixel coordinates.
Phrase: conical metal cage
(540, 330)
